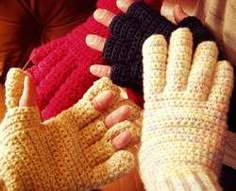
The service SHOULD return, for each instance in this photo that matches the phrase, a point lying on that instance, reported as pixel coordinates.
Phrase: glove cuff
(180, 179)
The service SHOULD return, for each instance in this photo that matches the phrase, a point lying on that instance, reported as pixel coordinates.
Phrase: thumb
(28, 97)
(179, 13)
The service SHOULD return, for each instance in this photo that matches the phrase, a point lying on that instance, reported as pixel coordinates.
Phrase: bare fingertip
(122, 140)
(98, 13)
(123, 5)
(93, 69)
(103, 100)
(90, 39)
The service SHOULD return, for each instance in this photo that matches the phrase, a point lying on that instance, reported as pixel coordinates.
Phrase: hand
(105, 18)
(128, 31)
(100, 102)
(185, 113)
(72, 151)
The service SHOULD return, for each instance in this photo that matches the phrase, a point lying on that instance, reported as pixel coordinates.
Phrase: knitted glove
(72, 151)
(61, 71)
(123, 48)
(129, 31)
(186, 104)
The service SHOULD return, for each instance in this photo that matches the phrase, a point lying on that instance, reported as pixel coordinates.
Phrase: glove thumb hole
(14, 87)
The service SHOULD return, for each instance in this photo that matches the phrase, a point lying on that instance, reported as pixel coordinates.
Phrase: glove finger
(103, 149)
(179, 59)
(45, 58)
(124, 26)
(142, 12)
(127, 76)
(40, 53)
(199, 31)
(135, 110)
(154, 66)
(96, 130)
(93, 132)
(202, 71)
(222, 86)
(14, 87)
(53, 80)
(83, 112)
(103, 84)
(118, 165)
(116, 50)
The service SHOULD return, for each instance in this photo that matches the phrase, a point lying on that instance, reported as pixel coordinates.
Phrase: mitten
(123, 49)
(185, 113)
(71, 151)
(61, 71)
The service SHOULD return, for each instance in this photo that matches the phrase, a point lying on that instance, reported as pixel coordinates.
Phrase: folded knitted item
(72, 151)
(185, 113)
(129, 31)
(61, 71)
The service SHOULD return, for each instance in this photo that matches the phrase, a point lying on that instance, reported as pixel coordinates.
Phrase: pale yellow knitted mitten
(186, 105)
(72, 151)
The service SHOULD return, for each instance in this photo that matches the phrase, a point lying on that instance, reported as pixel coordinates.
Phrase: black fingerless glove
(124, 48)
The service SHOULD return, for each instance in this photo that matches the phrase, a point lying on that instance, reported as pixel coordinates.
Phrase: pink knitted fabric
(61, 67)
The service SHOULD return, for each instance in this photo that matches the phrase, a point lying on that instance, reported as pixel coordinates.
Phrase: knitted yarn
(123, 48)
(71, 151)
(186, 105)
(200, 32)
(129, 31)
(61, 71)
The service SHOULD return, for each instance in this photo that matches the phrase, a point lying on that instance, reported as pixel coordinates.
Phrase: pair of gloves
(61, 67)
(186, 95)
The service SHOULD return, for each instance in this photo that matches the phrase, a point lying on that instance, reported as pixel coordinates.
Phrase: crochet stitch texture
(61, 67)
(123, 49)
(72, 151)
(186, 105)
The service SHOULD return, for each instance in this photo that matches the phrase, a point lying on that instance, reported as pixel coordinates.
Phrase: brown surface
(25, 24)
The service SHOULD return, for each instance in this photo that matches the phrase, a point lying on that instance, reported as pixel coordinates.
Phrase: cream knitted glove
(72, 151)
(186, 104)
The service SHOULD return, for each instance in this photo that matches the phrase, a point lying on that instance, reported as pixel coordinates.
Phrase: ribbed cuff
(186, 180)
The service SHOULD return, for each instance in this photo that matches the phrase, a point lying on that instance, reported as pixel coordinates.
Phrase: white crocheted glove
(186, 105)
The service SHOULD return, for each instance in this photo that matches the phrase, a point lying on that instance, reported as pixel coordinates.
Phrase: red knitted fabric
(61, 67)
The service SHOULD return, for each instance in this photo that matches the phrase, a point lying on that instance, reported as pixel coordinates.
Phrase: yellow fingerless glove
(186, 105)
(72, 151)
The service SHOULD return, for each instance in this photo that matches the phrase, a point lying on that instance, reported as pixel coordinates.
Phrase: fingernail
(90, 39)
(103, 100)
(119, 3)
(99, 13)
(122, 140)
(93, 69)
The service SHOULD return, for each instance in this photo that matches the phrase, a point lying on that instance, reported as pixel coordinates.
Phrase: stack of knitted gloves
(61, 70)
